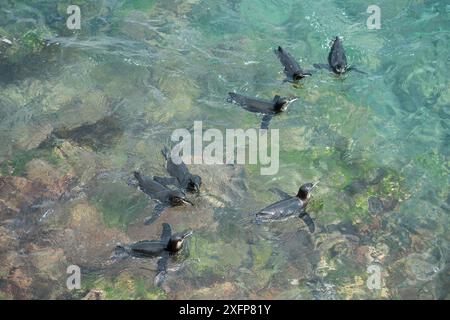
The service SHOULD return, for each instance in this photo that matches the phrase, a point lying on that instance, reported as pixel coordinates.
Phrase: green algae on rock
(125, 287)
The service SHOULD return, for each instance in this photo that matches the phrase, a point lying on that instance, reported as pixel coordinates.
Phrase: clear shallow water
(81, 111)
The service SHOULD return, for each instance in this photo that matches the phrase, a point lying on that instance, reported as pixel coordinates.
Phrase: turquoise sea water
(81, 109)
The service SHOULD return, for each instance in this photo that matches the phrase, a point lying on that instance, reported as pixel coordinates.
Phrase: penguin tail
(160, 278)
(279, 51)
(138, 177)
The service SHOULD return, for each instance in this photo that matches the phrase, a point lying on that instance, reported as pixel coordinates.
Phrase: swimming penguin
(167, 245)
(337, 61)
(291, 67)
(166, 197)
(181, 176)
(289, 207)
(267, 108)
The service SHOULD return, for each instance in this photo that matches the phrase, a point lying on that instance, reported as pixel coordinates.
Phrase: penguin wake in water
(337, 61)
(166, 197)
(265, 107)
(180, 175)
(167, 245)
(289, 206)
(291, 67)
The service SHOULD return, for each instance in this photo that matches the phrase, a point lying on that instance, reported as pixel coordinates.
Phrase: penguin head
(194, 183)
(297, 76)
(137, 175)
(176, 241)
(177, 198)
(281, 104)
(304, 193)
(340, 68)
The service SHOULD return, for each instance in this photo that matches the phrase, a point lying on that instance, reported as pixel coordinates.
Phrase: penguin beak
(314, 185)
(187, 234)
(187, 202)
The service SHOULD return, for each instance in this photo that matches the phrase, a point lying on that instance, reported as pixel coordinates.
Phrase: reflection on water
(80, 110)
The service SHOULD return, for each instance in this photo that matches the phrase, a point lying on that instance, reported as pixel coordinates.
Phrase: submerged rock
(8, 239)
(322, 290)
(86, 164)
(343, 228)
(28, 136)
(98, 135)
(50, 262)
(425, 266)
(56, 179)
(86, 240)
(225, 290)
(125, 284)
(94, 295)
(375, 205)
(18, 284)
(19, 195)
(301, 257)
(356, 187)
(418, 275)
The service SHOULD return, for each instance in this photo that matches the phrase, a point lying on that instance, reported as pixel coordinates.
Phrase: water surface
(81, 109)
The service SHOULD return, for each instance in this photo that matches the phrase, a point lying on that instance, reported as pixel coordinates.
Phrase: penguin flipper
(308, 221)
(322, 66)
(356, 69)
(283, 195)
(166, 153)
(161, 270)
(266, 121)
(159, 208)
(165, 181)
(166, 232)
